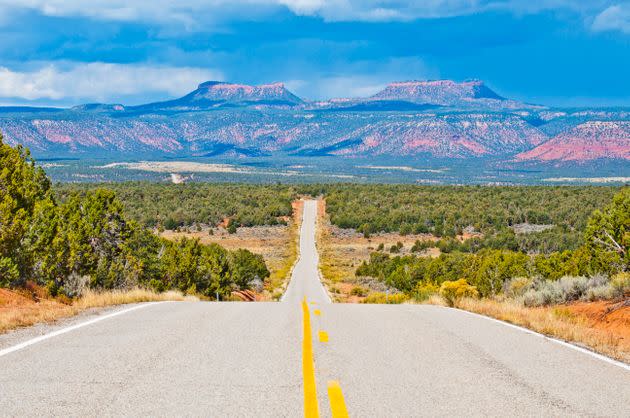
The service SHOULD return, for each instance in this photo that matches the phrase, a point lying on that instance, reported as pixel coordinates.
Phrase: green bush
(359, 291)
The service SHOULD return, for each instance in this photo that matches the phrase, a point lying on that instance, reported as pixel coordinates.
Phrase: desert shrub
(598, 280)
(421, 245)
(380, 297)
(545, 294)
(452, 291)
(620, 283)
(603, 292)
(424, 291)
(600, 288)
(517, 286)
(572, 288)
(359, 291)
(568, 289)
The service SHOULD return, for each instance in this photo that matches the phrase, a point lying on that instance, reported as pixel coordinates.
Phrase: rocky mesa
(441, 119)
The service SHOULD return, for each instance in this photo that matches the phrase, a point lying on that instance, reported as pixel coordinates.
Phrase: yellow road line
(323, 336)
(317, 312)
(337, 403)
(311, 408)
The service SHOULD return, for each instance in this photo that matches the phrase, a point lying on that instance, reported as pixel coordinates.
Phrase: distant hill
(216, 94)
(415, 120)
(587, 141)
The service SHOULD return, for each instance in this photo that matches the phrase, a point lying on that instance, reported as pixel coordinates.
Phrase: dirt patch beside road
(611, 316)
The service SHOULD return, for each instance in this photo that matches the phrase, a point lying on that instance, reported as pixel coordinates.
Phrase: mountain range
(411, 120)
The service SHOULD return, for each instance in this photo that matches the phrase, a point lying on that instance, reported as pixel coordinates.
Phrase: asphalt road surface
(249, 359)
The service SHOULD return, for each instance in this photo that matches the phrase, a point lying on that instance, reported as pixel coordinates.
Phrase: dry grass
(119, 297)
(19, 310)
(555, 321)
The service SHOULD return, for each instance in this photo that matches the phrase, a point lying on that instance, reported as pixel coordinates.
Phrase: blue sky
(555, 52)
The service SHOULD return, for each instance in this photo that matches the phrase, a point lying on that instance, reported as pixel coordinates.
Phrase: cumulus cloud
(100, 81)
(614, 18)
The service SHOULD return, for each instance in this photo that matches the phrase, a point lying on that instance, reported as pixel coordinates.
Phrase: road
(250, 359)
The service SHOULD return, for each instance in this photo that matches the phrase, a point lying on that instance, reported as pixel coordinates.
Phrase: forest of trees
(446, 211)
(602, 255)
(87, 240)
(182, 205)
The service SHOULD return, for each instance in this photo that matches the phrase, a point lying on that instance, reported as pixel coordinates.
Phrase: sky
(552, 52)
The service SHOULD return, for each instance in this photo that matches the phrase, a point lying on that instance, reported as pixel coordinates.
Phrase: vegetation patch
(451, 211)
(172, 206)
(32, 305)
(86, 241)
(534, 290)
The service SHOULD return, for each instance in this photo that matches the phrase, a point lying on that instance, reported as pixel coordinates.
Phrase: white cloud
(304, 7)
(100, 81)
(197, 13)
(614, 18)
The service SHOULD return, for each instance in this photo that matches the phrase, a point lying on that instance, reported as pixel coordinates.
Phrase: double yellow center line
(311, 406)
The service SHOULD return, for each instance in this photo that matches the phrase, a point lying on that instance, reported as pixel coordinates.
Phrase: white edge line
(555, 340)
(44, 337)
(299, 255)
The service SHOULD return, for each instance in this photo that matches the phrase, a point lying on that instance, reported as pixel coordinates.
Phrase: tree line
(444, 211)
(86, 240)
(448, 211)
(172, 206)
(604, 251)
